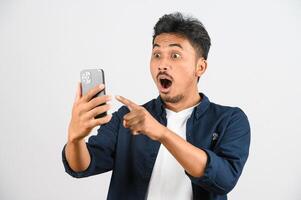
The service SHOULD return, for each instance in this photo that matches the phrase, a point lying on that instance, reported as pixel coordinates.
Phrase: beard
(174, 99)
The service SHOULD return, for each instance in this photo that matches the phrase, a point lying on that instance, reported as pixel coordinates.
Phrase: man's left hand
(140, 121)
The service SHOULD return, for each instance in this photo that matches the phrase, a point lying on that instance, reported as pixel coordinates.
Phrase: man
(177, 146)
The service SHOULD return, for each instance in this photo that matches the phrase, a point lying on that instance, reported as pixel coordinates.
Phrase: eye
(156, 55)
(175, 56)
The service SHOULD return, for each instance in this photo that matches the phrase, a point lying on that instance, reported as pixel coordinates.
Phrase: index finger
(91, 93)
(131, 105)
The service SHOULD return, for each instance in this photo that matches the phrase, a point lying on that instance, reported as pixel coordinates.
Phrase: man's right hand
(85, 108)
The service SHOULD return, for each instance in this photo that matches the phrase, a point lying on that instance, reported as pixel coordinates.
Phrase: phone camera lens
(86, 77)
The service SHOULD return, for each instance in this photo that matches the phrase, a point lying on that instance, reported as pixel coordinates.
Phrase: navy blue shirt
(223, 132)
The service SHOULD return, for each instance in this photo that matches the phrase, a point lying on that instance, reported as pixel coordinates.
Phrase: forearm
(77, 155)
(192, 159)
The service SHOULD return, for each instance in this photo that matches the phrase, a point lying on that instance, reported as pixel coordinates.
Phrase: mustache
(164, 73)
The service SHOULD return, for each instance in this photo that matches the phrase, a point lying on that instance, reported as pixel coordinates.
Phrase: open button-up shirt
(223, 132)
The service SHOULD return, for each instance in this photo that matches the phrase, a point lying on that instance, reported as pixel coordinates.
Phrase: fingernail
(101, 86)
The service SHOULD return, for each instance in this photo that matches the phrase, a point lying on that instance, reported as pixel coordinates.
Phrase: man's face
(173, 67)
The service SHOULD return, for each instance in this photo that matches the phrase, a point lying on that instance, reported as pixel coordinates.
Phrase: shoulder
(230, 115)
(226, 110)
(226, 114)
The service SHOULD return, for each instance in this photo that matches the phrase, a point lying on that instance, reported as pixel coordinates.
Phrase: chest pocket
(214, 139)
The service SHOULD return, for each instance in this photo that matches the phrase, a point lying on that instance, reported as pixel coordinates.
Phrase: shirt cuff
(81, 174)
(207, 181)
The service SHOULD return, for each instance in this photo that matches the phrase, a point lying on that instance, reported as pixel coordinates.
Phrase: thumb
(78, 92)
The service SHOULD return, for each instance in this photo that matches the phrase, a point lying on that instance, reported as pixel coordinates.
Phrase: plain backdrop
(254, 63)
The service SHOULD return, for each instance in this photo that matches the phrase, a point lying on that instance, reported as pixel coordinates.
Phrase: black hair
(189, 27)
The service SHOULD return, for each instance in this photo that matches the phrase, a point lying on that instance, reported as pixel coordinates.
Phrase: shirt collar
(199, 109)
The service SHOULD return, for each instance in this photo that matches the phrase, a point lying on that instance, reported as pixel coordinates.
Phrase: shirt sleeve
(101, 148)
(226, 161)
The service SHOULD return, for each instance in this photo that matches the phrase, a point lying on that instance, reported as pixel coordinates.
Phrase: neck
(187, 102)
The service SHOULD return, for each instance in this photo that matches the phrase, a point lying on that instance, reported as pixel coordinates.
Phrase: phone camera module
(86, 77)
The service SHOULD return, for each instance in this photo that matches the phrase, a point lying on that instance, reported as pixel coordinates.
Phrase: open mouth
(165, 82)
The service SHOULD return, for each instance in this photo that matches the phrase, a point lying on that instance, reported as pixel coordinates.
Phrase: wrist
(163, 133)
(72, 139)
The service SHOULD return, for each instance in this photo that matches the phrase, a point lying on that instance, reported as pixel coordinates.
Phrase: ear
(201, 67)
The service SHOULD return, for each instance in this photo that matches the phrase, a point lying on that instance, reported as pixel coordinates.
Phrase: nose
(164, 65)
(161, 68)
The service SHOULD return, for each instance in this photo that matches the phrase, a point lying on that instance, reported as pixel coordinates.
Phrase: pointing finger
(131, 105)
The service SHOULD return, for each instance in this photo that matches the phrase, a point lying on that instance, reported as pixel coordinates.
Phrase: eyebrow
(170, 45)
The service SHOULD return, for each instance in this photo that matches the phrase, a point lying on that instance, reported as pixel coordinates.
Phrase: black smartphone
(89, 79)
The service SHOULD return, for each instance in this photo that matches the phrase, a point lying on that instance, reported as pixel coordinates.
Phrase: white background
(254, 63)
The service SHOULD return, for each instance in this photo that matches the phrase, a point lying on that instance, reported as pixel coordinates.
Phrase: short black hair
(189, 27)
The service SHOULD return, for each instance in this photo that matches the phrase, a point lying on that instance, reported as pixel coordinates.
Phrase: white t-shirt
(168, 180)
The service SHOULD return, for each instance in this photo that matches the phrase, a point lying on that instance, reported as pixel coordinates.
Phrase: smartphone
(89, 79)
